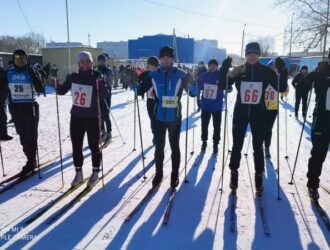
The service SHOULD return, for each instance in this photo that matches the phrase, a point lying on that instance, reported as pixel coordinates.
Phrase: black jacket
(253, 73)
(301, 84)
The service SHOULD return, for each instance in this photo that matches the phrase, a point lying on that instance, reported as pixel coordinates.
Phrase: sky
(111, 20)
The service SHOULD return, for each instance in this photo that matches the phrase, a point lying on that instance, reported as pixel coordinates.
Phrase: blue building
(146, 46)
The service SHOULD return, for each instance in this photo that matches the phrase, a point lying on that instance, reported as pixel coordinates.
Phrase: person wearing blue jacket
(211, 103)
(168, 83)
(23, 83)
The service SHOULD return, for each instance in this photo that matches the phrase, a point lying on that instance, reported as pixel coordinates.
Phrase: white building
(116, 50)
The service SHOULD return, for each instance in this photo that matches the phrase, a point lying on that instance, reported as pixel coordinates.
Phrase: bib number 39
(251, 92)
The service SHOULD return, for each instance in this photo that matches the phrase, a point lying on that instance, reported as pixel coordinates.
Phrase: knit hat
(253, 47)
(102, 57)
(153, 60)
(166, 51)
(84, 55)
(213, 61)
(304, 67)
(20, 52)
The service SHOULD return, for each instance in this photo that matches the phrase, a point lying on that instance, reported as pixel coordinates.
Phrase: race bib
(327, 102)
(170, 102)
(271, 98)
(81, 95)
(251, 92)
(210, 91)
(20, 91)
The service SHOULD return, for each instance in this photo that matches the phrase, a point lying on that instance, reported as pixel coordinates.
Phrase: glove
(226, 64)
(279, 64)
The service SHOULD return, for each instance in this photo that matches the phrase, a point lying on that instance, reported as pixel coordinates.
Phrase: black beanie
(253, 47)
(153, 60)
(304, 67)
(20, 52)
(213, 61)
(102, 57)
(166, 51)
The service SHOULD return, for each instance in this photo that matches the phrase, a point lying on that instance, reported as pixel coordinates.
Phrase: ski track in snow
(200, 216)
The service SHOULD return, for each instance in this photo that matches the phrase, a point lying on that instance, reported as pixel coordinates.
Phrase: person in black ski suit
(23, 83)
(302, 87)
(144, 80)
(320, 127)
(3, 112)
(105, 102)
(272, 109)
(251, 80)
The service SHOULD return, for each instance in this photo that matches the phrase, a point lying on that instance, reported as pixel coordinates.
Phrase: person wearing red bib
(86, 87)
(251, 80)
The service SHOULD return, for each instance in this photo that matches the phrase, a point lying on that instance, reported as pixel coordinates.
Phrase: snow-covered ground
(200, 217)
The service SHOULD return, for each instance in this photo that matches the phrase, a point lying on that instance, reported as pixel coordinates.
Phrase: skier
(271, 101)
(115, 76)
(251, 80)
(302, 88)
(85, 114)
(105, 102)
(23, 83)
(198, 71)
(320, 127)
(145, 86)
(3, 113)
(168, 83)
(211, 104)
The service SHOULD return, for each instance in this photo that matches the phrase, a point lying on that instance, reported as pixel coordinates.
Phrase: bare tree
(267, 44)
(32, 43)
(311, 22)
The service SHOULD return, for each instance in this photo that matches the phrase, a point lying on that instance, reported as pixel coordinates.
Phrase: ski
(325, 189)
(263, 216)
(322, 213)
(69, 205)
(146, 198)
(233, 202)
(18, 180)
(169, 206)
(51, 204)
(43, 165)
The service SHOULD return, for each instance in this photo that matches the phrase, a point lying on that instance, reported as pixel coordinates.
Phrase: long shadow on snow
(34, 180)
(192, 120)
(284, 231)
(187, 212)
(87, 214)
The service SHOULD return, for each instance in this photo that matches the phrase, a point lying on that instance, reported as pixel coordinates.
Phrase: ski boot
(157, 179)
(6, 137)
(313, 194)
(204, 145)
(174, 179)
(78, 179)
(28, 169)
(267, 153)
(258, 178)
(233, 181)
(94, 179)
(215, 148)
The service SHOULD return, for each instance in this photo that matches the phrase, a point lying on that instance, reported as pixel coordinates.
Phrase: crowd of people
(257, 105)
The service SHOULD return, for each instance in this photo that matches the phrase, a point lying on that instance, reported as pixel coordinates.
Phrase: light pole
(243, 40)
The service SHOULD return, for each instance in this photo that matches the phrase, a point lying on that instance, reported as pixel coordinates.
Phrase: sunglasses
(20, 57)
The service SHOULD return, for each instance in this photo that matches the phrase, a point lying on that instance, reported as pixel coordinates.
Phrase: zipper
(249, 108)
(165, 85)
